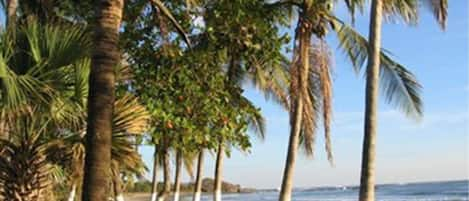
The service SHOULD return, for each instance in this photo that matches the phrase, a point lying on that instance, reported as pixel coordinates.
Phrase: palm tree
(367, 179)
(372, 80)
(24, 163)
(12, 6)
(400, 85)
(130, 119)
(101, 95)
(101, 100)
(38, 61)
(303, 98)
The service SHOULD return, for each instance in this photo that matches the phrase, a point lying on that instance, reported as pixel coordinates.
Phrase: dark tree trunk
(164, 194)
(154, 189)
(367, 179)
(217, 187)
(101, 100)
(177, 178)
(198, 178)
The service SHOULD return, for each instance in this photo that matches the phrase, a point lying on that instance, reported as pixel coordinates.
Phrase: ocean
(428, 191)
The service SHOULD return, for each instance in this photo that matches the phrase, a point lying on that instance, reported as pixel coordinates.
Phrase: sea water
(429, 191)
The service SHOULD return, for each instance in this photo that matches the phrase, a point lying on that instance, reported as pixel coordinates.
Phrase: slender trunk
(367, 180)
(105, 57)
(296, 117)
(154, 189)
(73, 193)
(117, 184)
(12, 6)
(217, 188)
(167, 177)
(177, 178)
(198, 179)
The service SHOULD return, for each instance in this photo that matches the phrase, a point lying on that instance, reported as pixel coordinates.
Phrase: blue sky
(433, 149)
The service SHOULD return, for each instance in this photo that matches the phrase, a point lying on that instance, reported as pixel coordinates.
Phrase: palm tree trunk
(177, 178)
(287, 182)
(73, 193)
(118, 194)
(198, 179)
(12, 6)
(167, 177)
(367, 180)
(154, 189)
(217, 190)
(101, 100)
(304, 37)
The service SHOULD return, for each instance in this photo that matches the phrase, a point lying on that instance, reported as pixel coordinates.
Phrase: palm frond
(130, 116)
(399, 85)
(439, 9)
(353, 5)
(407, 10)
(272, 79)
(321, 71)
(256, 121)
(165, 11)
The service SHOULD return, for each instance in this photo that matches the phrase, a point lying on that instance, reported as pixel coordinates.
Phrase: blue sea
(429, 191)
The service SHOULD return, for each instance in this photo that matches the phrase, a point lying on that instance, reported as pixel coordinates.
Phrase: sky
(434, 149)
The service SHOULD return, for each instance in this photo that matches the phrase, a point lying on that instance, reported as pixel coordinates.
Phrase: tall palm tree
(305, 101)
(105, 57)
(378, 7)
(371, 103)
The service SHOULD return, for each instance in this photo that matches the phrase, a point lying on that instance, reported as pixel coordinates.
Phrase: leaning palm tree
(378, 9)
(303, 100)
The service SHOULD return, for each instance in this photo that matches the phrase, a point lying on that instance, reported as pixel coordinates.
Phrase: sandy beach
(138, 197)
